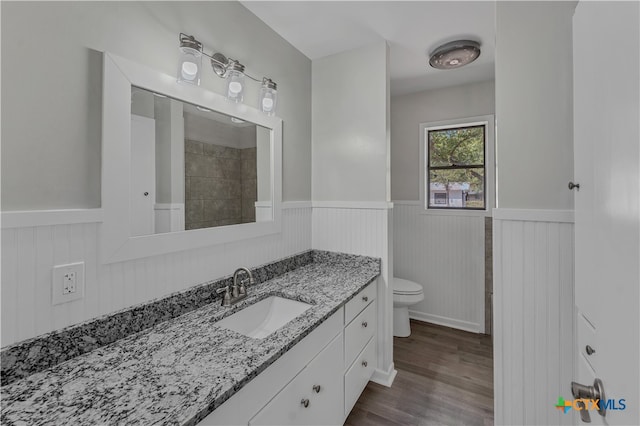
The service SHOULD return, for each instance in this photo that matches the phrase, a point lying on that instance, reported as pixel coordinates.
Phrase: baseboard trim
(447, 322)
(534, 215)
(29, 218)
(384, 378)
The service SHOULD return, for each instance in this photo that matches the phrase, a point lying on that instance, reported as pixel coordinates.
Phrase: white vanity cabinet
(313, 397)
(359, 345)
(316, 382)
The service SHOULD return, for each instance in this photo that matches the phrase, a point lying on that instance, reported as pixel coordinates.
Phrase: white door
(143, 175)
(606, 56)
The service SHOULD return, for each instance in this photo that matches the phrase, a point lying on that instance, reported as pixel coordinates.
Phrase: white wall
(350, 125)
(409, 111)
(50, 47)
(442, 252)
(29, 253)
(534, 104)
(533, 226)
(350, 162)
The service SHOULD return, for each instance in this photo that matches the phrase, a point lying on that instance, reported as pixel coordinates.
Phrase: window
(457, 164)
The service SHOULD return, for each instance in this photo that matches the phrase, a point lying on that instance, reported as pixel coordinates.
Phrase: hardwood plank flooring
(445, 377)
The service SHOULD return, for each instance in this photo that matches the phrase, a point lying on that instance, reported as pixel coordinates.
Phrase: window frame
(489, 165)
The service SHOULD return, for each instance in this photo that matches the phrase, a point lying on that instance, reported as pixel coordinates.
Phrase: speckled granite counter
(179, 371)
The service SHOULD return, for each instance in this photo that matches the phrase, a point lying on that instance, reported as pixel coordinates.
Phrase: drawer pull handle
(589, 350)
(364, 324)
(365, 298)
(316, 388)
(305, 402)
(364, 363)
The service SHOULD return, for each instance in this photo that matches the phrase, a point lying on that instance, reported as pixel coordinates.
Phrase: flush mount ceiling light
(191, 52)
(454, 54)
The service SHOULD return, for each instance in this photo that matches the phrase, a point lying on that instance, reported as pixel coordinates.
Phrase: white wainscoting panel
(533, 317)
(445, 254)
(364, 229)
(29, 254)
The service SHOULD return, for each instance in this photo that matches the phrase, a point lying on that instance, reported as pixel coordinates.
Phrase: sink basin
(263, 318)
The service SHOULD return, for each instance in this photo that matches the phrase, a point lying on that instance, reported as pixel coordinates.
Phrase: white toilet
(405, 294)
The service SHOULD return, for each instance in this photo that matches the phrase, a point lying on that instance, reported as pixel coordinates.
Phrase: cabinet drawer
(319, 384)
(359, 302)
(358, 333)
(358, 375)
(587, 337)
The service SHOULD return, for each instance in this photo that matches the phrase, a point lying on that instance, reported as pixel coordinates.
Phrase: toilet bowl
(405, 294)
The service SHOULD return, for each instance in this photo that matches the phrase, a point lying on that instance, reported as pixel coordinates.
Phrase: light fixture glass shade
(190, 62)
(268, 96)
(235, 85)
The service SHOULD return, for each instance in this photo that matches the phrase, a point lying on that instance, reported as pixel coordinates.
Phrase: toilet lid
(401, 286)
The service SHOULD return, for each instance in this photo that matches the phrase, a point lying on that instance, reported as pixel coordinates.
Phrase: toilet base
(401, 327)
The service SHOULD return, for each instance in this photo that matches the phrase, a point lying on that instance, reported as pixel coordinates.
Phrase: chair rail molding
(28, 218)
(534, 215)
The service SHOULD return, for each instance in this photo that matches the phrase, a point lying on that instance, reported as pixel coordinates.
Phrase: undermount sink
(263, 318)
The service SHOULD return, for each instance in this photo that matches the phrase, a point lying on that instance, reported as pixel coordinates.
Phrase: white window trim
(489, 155)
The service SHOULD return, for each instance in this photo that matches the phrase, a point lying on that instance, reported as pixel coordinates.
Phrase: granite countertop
(180, 370)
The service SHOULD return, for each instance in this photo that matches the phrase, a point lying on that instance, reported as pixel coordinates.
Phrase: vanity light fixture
(268, 96)
(235, 81)
(230, 69)
(454, 54)
(190, 60)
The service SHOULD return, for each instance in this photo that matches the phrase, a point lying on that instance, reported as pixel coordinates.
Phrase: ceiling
(412, 28)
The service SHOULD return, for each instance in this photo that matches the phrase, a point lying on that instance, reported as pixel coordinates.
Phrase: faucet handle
(241, 287)
(226, 299)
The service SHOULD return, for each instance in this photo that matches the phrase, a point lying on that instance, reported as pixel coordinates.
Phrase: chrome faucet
(238, 291)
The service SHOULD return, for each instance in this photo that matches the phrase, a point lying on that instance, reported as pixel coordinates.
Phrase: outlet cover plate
(60, 289)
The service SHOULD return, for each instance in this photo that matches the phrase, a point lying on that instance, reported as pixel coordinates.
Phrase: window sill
(455, 212)
(443, 212)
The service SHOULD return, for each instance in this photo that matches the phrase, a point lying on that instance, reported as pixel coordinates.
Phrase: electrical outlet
(68, 283)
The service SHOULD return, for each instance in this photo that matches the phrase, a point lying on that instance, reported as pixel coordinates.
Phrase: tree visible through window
(456, 168)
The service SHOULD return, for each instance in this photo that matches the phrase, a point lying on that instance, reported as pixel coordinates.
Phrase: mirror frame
(119, 75)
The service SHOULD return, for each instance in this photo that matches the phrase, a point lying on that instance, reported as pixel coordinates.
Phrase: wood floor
(445, 377)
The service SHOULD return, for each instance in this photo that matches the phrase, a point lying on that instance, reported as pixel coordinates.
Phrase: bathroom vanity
(319, 380)
(189, 369)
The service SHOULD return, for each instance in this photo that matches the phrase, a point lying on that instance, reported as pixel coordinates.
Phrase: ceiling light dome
(454, 54)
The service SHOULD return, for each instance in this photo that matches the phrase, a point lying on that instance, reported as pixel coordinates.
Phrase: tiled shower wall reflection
(220, 185)
(249, 183)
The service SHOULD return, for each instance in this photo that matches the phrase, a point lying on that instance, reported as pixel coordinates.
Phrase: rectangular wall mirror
(182, 167)
(194, 168)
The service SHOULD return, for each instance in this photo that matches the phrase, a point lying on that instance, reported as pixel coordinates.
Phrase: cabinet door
(313, 397)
